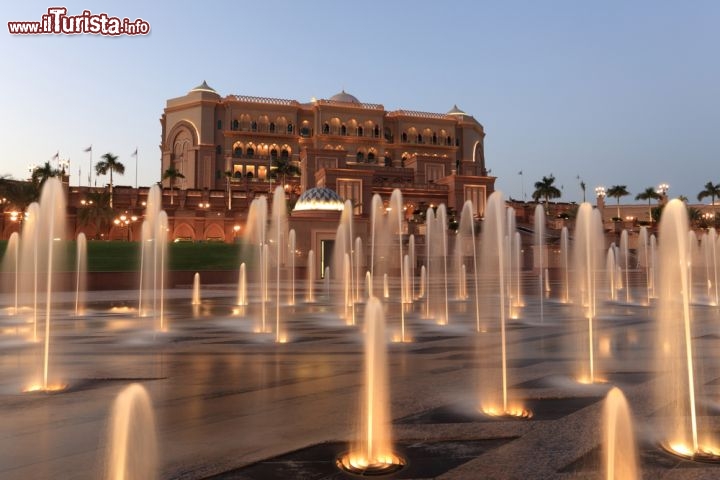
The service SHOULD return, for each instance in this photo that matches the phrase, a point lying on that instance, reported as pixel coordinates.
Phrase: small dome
(344, 97)
(456, 111)
(203, 87)
(319, 198)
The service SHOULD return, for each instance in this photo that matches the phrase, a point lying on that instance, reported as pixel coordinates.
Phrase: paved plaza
(233, 404)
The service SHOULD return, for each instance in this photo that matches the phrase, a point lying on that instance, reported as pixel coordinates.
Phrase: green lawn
(125, 256)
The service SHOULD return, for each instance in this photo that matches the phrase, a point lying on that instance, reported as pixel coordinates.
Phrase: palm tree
(18, 194)
(41, 174)
(172, 174)
(616, 192)
(97, 210)
(109, 163)
(712, 191)
(282, 167)
(546, 190)
(648, 194)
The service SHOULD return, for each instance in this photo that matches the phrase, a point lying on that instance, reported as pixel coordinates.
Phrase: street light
(663, 188)
(600, 191)
(124, 221)
(236, 229)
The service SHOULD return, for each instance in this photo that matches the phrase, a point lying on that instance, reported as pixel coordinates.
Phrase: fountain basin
(383, 465)
(704, 453)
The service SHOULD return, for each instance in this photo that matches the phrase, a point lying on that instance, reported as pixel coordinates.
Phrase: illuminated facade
(357, 149)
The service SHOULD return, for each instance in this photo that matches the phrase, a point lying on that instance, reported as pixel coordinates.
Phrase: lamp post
(662, 189)
(236, 229)
(125, 220)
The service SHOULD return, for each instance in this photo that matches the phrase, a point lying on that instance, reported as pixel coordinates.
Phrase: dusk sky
(612, 92)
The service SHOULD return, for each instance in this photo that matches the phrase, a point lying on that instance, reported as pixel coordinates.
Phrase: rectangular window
(219, 124)
(326, 162)
(477, 194)
(434, 172)
(351, 190)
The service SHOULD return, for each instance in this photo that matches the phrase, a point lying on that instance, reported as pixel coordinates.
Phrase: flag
(89, 149)
(134, 154)
(520, 172)
(57, 155)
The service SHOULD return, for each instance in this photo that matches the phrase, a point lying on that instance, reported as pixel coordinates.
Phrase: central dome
(344, 97)
(319, 198)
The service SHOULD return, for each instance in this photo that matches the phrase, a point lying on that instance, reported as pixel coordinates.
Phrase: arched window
(360, 131)
(448, 140)
(305, 132)
(272, 127)
(253, 126)
(284, 154)
(250, 152)
(376, 132)
(235, 124)
(371, 156)
(273, 153)
(237, 174)
(326, 128)
(387, 160)
(219, 124)
(290, 128)
(434, 139)
(419, 138)
(249, 175)
(360, 156)
(404, 137)
(237, 151)
(343, 129)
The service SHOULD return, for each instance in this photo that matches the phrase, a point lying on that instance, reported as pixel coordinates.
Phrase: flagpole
(136, 166)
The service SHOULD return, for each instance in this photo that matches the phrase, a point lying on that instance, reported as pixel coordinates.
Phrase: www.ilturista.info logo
(58, 22)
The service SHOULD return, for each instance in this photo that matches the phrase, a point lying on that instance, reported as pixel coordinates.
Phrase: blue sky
(612, 92)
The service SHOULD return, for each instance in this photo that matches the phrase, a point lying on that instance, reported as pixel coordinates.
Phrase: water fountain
(132, 443)
(47, 259)
(587, 259)
(279, 234)
(80, 273)
(685, 429)
(611, 275)
(255, 234)
(466, 245)
(620, 458)
(242, 299)
(153, 260)
(196, 289)
(11, 263)
(386, 249)
(624, 263)
(494, 393)
(644, 258)
(291, 257)
(343, 263)
(436, 298)
(565, 264)
(539, 259)
(310, 291)
(372, 452)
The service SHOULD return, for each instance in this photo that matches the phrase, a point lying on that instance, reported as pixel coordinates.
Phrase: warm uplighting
(37, 388)
(586, 380)
(511, 412)
(704, 453)
(381, 465)
(204, 205)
